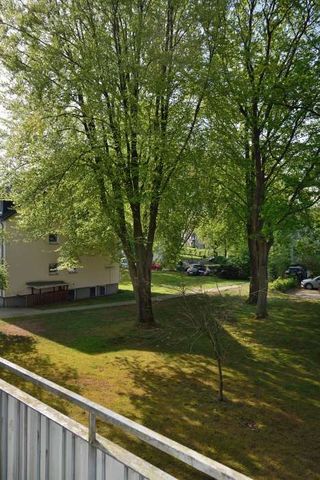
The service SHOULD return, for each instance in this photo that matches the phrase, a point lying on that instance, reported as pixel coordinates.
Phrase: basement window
(53, 238)
(53, 268)
(102, 290)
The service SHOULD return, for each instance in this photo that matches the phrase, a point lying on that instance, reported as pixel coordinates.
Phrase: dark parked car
(198, 269)
(298, 271)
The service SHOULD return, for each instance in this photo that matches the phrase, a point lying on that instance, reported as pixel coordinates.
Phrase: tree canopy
(265, 122)
(137, 119)
(105, 104)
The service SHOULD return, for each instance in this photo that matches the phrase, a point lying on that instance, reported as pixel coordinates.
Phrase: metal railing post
(92, 427)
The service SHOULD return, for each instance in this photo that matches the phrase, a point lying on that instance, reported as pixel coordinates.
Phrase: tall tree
(267, 131)
(106, 102)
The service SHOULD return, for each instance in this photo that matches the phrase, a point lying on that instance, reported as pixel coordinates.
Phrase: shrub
(241, 262)
(3, 277)
(232, 268)
(283, 284)
(229, 272)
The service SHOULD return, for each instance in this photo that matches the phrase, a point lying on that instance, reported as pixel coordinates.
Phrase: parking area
(313, 294)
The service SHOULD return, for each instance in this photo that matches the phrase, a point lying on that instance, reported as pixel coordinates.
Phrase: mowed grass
(163, 283)
(172, 283)
(268, 428)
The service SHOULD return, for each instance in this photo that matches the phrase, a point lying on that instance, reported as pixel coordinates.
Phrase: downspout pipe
(2, 258)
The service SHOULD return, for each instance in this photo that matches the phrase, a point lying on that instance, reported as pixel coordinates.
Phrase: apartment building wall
(28, 261)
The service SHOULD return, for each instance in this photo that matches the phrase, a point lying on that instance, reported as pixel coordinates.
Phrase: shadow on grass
(123, 295)
(266, 428)
(22, 350)
(107, 330)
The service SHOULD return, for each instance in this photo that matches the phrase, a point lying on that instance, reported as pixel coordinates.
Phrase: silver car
(311, 283)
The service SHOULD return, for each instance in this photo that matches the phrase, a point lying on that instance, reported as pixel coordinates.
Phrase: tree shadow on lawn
(254, 431)
(98, 331)
(95, 332)
(284, 346)
(266, 427)
(22, 350)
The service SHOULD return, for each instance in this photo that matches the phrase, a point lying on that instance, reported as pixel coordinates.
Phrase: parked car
(155, 266)
(182, 266)
(311, 283)
(124, 263)
(198, 269)
(298, 271)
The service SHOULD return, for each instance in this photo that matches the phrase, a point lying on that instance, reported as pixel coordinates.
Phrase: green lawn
(166, 283)
(163, 283)
(269, 426)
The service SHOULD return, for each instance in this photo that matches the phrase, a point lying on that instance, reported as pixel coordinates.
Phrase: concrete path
(30, 312)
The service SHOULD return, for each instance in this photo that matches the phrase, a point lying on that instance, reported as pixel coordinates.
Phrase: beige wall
(29, 261)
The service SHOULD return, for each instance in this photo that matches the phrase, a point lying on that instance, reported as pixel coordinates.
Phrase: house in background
(194, 241)
(33, 272)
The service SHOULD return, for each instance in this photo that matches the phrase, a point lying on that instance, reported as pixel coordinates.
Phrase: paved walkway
(30, 312)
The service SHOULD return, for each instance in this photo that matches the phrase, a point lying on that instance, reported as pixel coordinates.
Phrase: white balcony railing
(39, 443)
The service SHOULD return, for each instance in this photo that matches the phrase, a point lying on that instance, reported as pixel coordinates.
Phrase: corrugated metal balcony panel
(39, 443)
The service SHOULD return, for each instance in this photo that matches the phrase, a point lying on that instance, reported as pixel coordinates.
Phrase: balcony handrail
(199, 462)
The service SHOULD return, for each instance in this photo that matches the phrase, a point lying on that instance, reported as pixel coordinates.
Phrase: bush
(283, 284)
(241, 262)
(233, 268)
(3, 277)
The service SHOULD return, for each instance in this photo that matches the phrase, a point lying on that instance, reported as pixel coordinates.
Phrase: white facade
(35, 261)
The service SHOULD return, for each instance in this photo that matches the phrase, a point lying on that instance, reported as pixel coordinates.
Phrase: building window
(102, 290)
(92, 291)
(53, 268)
(53, 238)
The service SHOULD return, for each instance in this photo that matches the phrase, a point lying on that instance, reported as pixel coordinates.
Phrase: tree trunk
(140, 273)
(253, 262)
(252, 220)
(258, 245)
(142, 291)
(263, 255)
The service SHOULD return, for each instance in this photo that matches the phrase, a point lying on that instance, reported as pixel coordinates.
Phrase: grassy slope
(266, 429)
